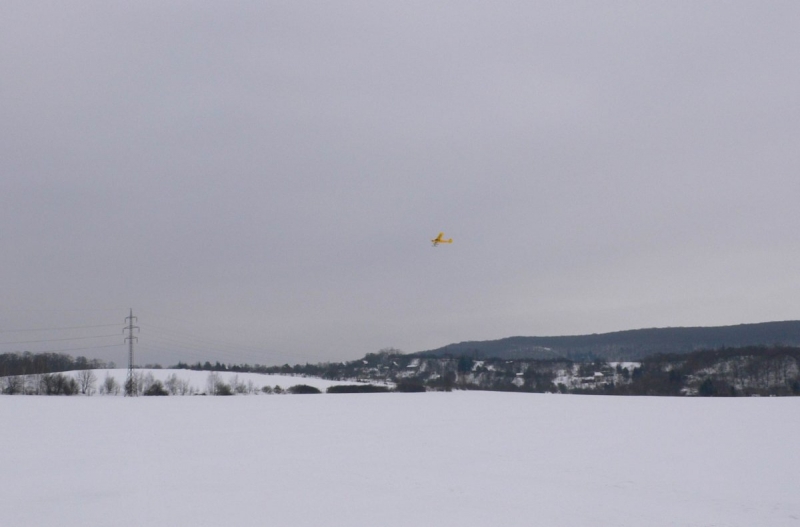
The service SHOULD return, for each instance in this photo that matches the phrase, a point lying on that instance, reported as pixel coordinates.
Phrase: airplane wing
(440, 239)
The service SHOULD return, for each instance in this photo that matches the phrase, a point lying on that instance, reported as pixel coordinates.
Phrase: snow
(395, 459)
(198, 379)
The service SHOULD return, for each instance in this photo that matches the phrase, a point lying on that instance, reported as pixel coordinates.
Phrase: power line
(79, 349)
(58, 340)
(161, 315)
(210, 343)
(188, 348)
(214, 343)
(70, 310)
(233, 352)
(57, 329)
(186, 334)
(168, 340)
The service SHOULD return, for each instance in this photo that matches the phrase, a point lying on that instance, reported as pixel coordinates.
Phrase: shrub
(222, 389)
(58, 384)
(156, 388)
(409, 386)
(357, 388)
(303, 388)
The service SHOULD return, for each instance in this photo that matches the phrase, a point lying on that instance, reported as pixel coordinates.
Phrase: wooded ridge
(626, 345)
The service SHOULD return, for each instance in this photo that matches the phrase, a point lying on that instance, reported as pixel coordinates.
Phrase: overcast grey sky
(259, 181)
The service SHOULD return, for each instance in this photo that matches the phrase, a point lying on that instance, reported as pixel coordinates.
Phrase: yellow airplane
(440, 239)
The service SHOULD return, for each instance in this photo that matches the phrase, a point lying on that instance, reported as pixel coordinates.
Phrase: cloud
(273, 173)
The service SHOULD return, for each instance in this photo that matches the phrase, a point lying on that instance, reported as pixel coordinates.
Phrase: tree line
(754, 370)
(26, 363)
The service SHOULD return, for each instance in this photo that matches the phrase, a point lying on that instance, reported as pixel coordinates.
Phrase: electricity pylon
(130, 386)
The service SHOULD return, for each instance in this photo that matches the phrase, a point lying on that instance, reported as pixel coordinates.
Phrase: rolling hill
(626, 345)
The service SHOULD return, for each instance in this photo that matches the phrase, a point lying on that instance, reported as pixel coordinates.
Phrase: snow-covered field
(460, 459)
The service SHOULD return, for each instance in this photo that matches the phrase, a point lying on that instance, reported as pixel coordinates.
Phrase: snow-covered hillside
(177, 381)
(461, 459)
(197, 381)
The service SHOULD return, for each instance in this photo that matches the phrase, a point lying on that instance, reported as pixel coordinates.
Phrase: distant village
(746, 371)
(728, 372)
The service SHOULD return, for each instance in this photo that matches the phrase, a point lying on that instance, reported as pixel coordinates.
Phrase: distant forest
(626, 345)
(28, 363)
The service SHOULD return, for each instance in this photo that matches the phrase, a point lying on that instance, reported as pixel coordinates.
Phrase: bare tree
(32, 384)
(145, 381)
(171, 384)
(211, 383)
(238, 387)
(13, 384)
(176, 386)
(110, 386)
(184, 388)
(86, 381)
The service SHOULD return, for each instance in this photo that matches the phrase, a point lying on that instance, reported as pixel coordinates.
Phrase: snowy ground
(198, 380)
(460, 459)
